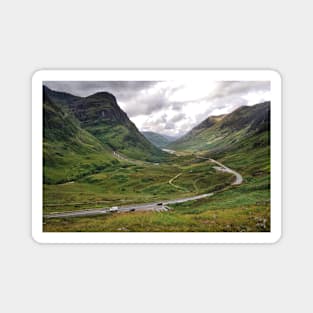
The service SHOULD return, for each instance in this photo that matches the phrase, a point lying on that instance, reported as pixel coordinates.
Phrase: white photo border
(156, 237)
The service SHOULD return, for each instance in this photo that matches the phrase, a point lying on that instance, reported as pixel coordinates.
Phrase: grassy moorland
(127, 183)
(243, 208)
(232, 220)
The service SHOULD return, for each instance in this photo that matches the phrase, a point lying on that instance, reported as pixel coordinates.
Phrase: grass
(127, 140)
(125, 183)
(251, 218)
(244, 208)
(237, 209)
(70, 152)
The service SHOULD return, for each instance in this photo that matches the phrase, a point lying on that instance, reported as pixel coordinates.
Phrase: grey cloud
(177, 117)
(228, 95)
(131, 92)
(227, 88)
(138, 101)
(120, 89)
(146, 104)
(169, 126)
(160, 124)
(177, 106)
(234, 89)
(229, 102)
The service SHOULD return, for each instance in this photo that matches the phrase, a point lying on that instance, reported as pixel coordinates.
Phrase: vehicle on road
(113, 209)
(160, 203)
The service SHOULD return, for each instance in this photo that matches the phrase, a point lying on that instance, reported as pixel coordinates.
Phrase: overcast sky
(172, 107)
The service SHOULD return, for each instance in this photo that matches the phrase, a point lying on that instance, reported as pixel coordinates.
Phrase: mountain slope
(69, 152)
(100, 115)
(158, 140)
(219, 133)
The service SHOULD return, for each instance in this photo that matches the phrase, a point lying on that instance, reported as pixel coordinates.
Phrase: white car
(113, 209)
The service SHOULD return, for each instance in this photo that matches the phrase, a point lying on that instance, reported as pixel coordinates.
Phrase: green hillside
(80, 135)
(69, 152)
(100, 115)
(220, 133)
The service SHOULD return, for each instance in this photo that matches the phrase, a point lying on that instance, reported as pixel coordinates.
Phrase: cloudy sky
(172, 107)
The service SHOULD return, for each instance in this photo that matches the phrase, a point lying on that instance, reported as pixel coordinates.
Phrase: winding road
(155, 206)
(224, 168)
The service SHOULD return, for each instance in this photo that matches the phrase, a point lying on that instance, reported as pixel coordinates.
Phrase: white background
(155, 34)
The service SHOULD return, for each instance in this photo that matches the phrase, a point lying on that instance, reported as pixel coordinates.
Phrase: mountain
(219, 133)
(100, 115)
(69, 152)
(158, 140)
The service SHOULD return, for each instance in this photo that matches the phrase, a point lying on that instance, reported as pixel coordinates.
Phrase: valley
(215, 178)
(130, 183)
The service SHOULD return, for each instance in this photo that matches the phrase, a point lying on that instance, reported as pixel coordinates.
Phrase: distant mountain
(172, 138)
(100, 115)
(158, 140)
(222, 132)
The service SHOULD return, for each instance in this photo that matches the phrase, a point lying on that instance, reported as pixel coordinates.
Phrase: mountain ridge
(100, 115)
(217, 131)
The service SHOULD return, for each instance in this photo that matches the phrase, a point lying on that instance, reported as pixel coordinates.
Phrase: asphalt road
(224, 168)
(155, 206)
(221, 167)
